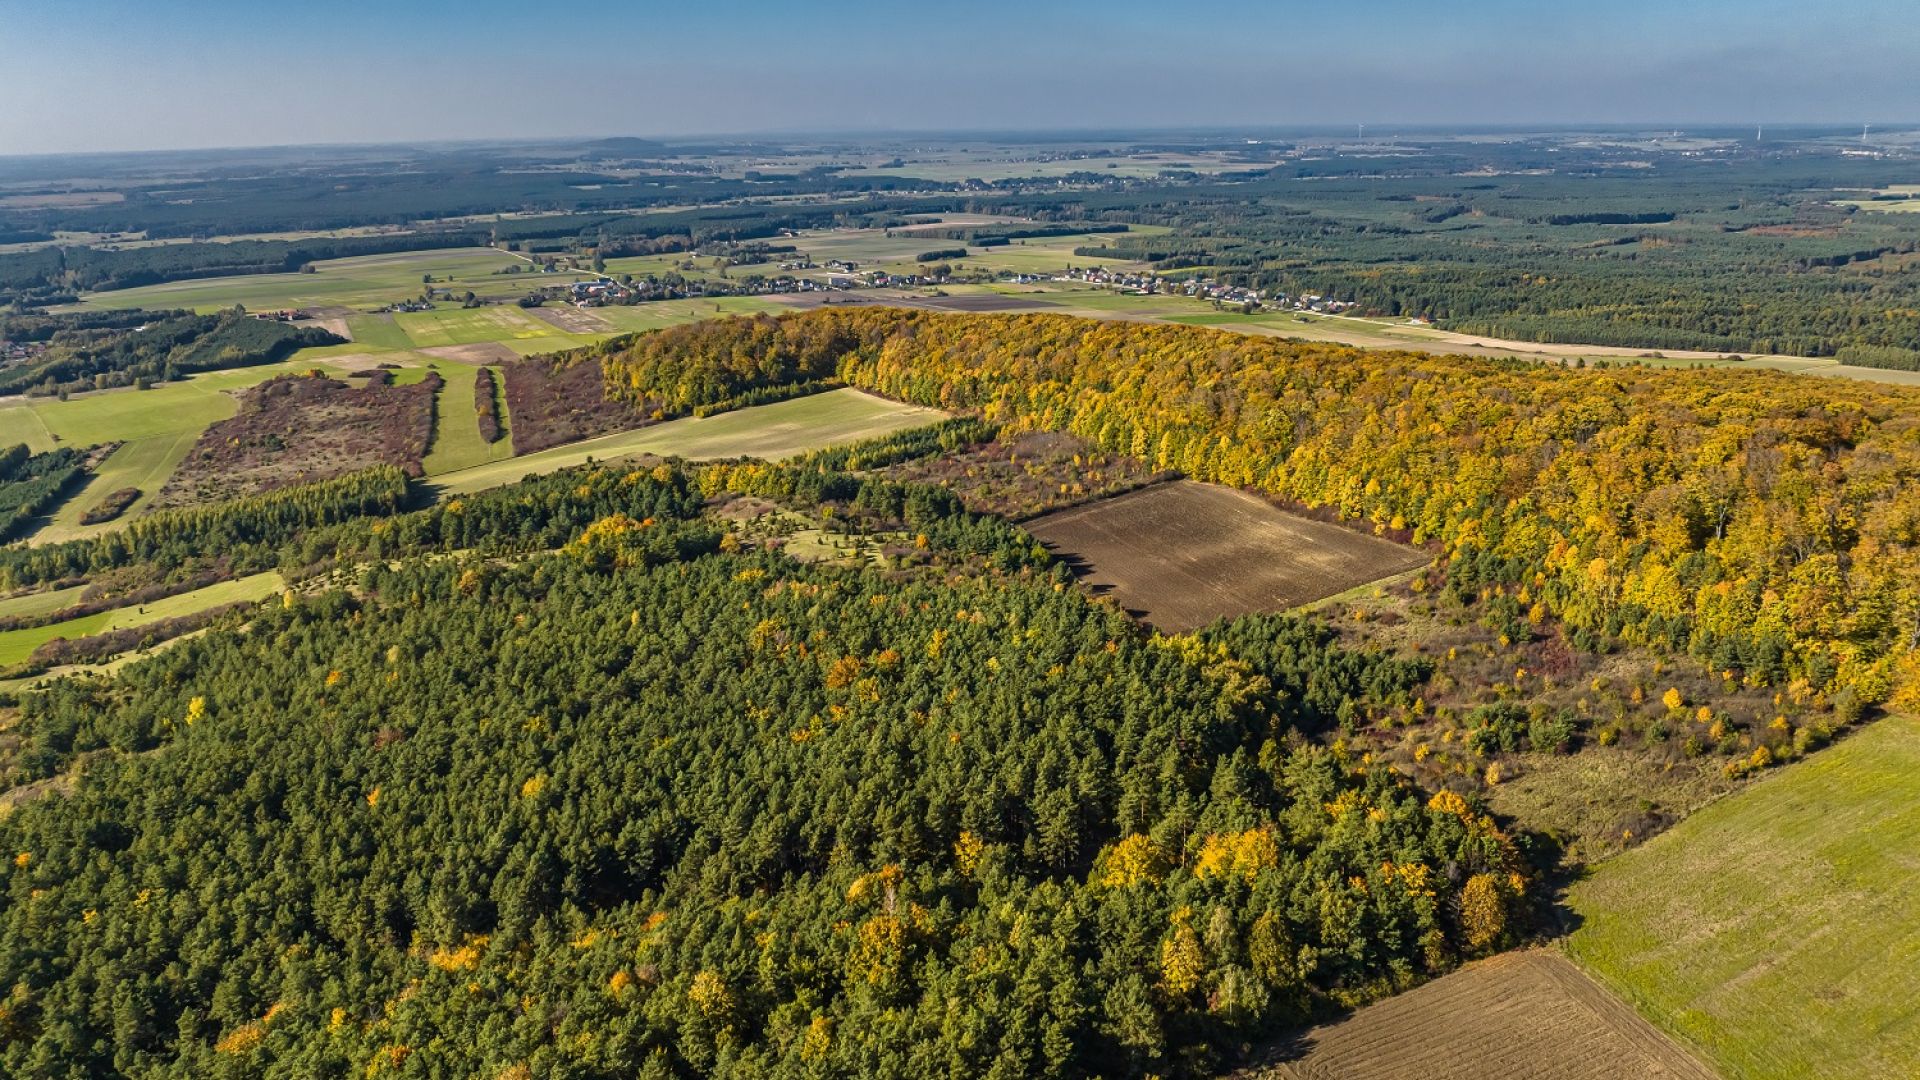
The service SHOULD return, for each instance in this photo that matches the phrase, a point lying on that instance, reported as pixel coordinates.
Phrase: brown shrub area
(486, 405)
(551, 401)
(298, 429)
(1023, 476)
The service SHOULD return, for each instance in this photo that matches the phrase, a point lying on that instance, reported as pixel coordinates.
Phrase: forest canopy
(645, 807)
(1763, 522)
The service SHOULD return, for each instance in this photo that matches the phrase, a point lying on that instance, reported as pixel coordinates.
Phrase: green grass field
(139, 463)
(775, 431)
(1777, 931)
(364, 282)
(120, 415)
(456, 431)
(873, 249)
(17, 645)
(39, 603)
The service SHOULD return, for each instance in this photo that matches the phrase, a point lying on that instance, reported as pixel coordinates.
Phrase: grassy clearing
(873, 249)
(772, 431)
(121, 415)
(39, 603)
(1776, 930)
(140, 463)
(376, 332)
(456, 429)
(362, 282)
(17, 645)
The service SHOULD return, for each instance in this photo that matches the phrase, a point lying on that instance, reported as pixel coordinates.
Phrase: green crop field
(775, 431)
(17, 645)
(364, 282)
(873, 249)
(1778, 930)
(468, 326)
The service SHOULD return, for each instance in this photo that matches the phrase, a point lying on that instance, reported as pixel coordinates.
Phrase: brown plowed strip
(485, 352)
(1528, 1015)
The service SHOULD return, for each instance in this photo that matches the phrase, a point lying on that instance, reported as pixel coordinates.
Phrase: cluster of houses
(17, 352)
(1199, 288)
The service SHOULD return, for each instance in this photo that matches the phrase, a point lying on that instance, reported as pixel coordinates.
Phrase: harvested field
(571, 320)
(1183, 554)
(332, 324)
(298, 429)
(1526, 1015)
(483, 352)
(1022, 476)
(552, 403)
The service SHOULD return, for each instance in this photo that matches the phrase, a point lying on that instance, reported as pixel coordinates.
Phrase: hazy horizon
(116, 76)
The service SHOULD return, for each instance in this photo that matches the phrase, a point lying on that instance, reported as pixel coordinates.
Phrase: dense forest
(94, 351)
(1735, 258)
(1762, 522)
(692, 811)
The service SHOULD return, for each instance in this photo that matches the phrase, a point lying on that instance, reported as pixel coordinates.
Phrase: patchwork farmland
(1183, 554)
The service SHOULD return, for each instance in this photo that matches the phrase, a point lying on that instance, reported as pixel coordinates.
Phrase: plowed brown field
(1183, 554)
(1527, 1015)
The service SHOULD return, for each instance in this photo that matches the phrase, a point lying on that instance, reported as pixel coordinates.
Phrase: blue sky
(90, 75)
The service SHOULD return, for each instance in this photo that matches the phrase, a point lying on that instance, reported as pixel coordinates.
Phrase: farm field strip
(17, 645)
(1518, 1016)
(1776, 930)
(774, 431)
(456, 427)
(1182, 554)
(39, 603)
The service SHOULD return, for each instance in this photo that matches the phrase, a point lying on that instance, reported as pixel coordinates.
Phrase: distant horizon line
(1700, 127)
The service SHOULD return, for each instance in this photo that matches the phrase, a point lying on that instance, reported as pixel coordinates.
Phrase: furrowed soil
(1183, 554)
(1527, 1015)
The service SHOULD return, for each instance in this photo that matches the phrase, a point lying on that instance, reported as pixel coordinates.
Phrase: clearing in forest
(1526, 1015)
(780, 430)
(1777, 930)
(1183, 554)
(18, 645)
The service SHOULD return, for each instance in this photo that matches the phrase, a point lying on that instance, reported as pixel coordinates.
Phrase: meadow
(1776, 930)
(17, 645)
(774, 431)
